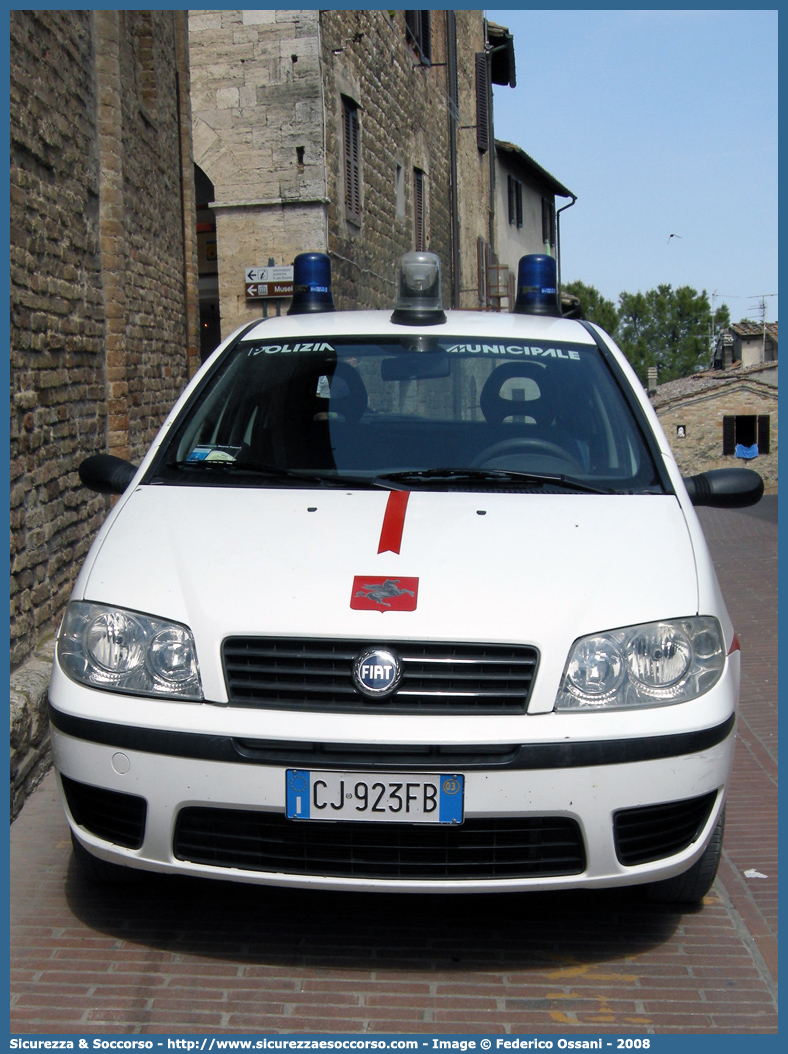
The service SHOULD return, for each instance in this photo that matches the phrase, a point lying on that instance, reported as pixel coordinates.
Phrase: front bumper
(560, 801)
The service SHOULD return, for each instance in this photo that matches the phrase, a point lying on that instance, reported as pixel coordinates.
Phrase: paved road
(180, 956)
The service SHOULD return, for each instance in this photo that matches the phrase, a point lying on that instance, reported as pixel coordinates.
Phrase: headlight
(649, 665)
(123, 651)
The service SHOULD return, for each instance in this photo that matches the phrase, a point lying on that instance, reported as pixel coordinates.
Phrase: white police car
(412, 601)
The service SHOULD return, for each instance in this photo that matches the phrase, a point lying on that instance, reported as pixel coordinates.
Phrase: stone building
(103, 296)
(361, 133)
(723, 418)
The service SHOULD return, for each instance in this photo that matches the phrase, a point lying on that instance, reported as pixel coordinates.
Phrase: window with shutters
(746, 431)
(352, 155)
(419, 211)
(418, 35)
(483, 95)
(515, 202)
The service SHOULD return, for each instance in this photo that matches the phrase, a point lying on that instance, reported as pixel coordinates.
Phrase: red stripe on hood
(393, 522)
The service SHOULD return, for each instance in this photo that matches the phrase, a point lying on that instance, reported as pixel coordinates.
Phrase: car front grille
(477, 849)
(437, 677)
(653, 832)
(116, 817)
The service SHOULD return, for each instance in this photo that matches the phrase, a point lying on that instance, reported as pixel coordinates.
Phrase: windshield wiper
(492, 475)
(387, 480)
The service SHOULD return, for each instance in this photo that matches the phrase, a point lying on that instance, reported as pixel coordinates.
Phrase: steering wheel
(512, 447)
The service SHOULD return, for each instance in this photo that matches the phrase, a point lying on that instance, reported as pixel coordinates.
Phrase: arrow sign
(268, 274)
(268, 290)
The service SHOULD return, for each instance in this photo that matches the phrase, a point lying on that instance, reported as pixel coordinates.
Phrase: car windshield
(413, 411)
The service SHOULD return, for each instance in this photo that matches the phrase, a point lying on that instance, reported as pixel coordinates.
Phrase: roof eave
(526, 161)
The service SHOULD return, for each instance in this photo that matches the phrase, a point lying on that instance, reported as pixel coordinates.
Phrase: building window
(419, 210)
(351, 142)
(745, 435)
(417, 33)
(548, 223)
(515, 202)
(483, 93)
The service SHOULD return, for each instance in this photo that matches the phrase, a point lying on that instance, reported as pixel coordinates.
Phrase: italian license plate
(412, 797)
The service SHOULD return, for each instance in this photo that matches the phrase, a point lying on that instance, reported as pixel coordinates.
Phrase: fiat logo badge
(377, 672)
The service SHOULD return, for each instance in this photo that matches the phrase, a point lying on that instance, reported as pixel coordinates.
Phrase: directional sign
(263, 283)
(266, 290)
(268, 274)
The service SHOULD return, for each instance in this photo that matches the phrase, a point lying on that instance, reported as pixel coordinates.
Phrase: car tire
(101, 871)
(693, 885)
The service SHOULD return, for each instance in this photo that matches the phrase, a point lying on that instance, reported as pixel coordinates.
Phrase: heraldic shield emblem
(384, 594)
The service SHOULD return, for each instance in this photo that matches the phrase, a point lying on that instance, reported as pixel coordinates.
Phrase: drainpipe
(558, 236)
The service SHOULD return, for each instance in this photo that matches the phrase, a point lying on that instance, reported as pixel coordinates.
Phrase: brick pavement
(180, 956)
(744, 546)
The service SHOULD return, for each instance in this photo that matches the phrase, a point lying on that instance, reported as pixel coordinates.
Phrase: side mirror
(725, 488)
(106, 474)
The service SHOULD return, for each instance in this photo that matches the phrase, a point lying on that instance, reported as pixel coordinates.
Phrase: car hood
(540, 569)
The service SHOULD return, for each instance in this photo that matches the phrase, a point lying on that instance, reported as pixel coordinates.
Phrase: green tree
(595, 307)
(667, 328)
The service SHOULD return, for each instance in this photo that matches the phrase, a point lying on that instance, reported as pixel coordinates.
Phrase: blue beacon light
(537, 286)
(311, 284)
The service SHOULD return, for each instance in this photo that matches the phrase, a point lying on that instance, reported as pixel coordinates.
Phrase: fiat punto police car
(410, 601)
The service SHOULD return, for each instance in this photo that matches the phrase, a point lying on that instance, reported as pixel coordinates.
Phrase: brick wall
(58, 410)
(151, 265)
(103, 284)
(403, 122)
(100, 345)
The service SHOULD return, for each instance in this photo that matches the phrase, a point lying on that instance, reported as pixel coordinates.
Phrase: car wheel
(693, 885)
(101, 871)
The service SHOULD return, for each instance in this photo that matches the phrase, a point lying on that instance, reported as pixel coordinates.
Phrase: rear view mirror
(417, 365)
(106, 474)
(725, 488)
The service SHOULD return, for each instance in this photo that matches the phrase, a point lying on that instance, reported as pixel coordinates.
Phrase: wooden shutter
(412, 26)
(482, 102)
(418, 33)
(425, 36)
(512, 206)
(728, 435)
(419, 215)
(352, 152)
(763, 433)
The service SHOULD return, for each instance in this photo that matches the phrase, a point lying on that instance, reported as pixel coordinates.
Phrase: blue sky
(661, 122)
